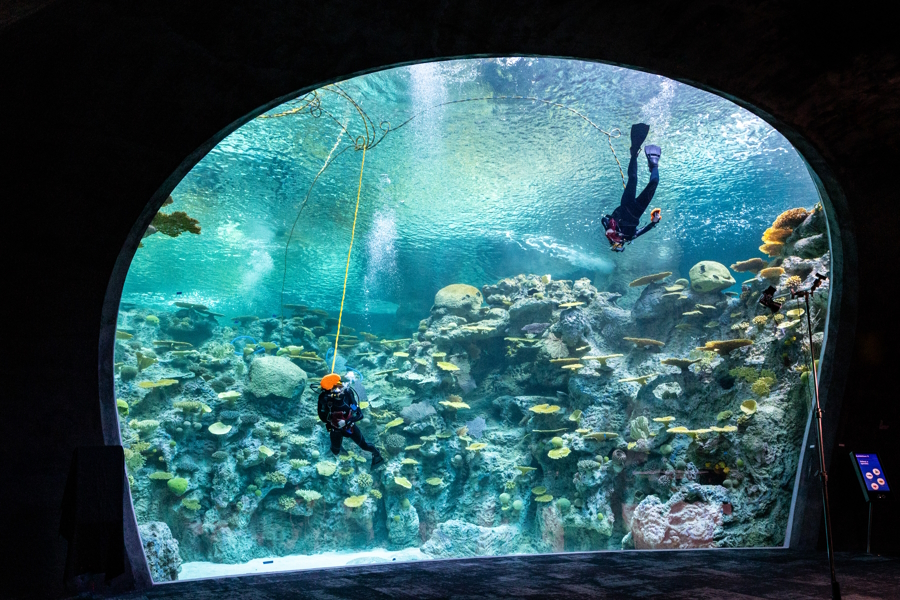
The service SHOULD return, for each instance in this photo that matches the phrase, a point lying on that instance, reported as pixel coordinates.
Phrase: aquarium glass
(528, 389)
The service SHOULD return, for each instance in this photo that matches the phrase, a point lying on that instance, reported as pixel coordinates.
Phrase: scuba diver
(339, 410)
(622, 225)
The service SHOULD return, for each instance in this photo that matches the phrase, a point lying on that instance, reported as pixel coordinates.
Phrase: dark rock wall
(105, 105)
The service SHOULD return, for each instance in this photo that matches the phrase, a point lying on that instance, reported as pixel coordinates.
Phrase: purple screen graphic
(873, 474)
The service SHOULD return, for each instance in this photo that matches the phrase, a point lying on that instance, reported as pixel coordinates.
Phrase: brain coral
(710, 276)
(458, 297)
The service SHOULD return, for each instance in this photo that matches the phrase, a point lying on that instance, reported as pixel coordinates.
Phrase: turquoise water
(471, 192)
(467, 192)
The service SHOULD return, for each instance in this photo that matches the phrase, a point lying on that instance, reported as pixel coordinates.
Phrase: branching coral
(762, 386)
(276, 477)
(286, 503)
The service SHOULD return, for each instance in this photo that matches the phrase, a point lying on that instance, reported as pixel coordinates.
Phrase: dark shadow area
(107, 105)
(774, 574)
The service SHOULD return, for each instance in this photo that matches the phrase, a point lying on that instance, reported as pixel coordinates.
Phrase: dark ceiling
(105, 104)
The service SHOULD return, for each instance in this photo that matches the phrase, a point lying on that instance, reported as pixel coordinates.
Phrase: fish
(536, 328)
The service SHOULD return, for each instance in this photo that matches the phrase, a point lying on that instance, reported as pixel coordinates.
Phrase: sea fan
(417, 412)
(555, 347)
(476, 427)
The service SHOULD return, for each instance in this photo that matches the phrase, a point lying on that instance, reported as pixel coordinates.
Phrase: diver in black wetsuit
(622, 225)
(339, 410)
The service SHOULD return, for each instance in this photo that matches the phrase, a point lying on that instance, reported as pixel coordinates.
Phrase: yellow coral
(648, 279)
(601, 436)
(760, 320)
(403, 482)
(544, 499)
(447, 366)
(434, 481)
(544, 409)
(748, 407)
(570, 304)
(792, 281)
(476, 446)
(454, 405)
(558, 453)
(326, 469)
(394, 423)
(539, 490)
(355, 501)
(773, 234)
(160, 383)
(642, 380)
(664, 419)
(772, 248)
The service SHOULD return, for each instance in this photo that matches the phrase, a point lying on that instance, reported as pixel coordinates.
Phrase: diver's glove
(655, 215)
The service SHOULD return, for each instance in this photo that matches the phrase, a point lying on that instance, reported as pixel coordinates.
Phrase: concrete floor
(695, 575)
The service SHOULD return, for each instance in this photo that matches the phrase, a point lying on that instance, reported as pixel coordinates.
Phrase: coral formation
(534, 415)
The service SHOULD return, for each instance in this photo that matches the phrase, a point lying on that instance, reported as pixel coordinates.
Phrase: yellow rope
(347, 269)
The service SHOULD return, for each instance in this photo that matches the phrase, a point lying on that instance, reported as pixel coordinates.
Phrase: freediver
(622, 225)
(339, 409)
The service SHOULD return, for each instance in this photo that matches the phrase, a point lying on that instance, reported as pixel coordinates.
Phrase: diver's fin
(377, 461)
(653, 153)
(639, 133)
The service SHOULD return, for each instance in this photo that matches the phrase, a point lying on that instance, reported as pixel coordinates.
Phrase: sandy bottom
(200, 570)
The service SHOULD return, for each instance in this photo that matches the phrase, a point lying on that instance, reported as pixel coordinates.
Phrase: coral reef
(533, 415)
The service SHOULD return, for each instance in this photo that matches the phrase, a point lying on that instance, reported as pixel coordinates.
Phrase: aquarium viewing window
(533, 379)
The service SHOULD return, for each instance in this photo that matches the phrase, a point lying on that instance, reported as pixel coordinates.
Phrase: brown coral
(789, 219)
(648, 279)
(681, 363)
(725, 346)
(753, 265)
(771, 273)
(175, 224)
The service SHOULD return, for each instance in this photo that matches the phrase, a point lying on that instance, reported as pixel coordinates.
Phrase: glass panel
(528, 389)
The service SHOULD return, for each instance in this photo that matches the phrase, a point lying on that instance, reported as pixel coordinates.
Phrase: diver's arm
(644, 230)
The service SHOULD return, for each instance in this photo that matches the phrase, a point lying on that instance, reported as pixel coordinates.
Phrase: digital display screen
(872, 473)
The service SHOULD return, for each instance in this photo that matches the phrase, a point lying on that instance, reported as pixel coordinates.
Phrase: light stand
(823, 473)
